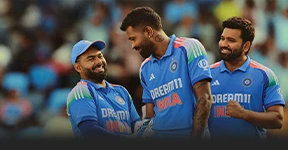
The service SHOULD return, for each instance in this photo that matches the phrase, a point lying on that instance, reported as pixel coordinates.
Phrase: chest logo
(120, 100)
(246, 82)
(173, 65)
(151, 77)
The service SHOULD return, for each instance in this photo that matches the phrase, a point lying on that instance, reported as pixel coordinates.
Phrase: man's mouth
(225, 51)
(98, 68)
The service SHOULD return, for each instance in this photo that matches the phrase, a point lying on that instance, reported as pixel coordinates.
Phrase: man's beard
(98, 77)
(233, 55)
(146, 49)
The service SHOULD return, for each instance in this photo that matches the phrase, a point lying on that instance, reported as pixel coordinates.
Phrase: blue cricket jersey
(168, 83)
(112, 107)
(253, 85)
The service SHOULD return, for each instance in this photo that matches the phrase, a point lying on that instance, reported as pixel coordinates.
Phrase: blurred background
(37, 36)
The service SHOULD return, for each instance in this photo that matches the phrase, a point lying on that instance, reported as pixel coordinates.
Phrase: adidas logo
(151, 77)
(216, 82)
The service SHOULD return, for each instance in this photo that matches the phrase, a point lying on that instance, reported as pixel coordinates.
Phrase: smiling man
(96, 108)
(246, 95)
(175, 77)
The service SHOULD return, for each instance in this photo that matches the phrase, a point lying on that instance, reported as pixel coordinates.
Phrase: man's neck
(102, 83)
(237, 63)
(161, 43)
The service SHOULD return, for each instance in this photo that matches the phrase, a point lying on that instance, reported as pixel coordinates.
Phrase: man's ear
(149, 31)
(246, 46)
(77, 67)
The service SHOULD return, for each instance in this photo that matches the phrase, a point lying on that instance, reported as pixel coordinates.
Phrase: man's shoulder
(215, 65)
(256, 65)
(145, 62)
(80, 85)
(80, 90)
(117, 86)
(186, 40)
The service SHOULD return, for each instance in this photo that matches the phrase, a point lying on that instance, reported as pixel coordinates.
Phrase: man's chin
(98, 76)
(144, 55)
(224, 56)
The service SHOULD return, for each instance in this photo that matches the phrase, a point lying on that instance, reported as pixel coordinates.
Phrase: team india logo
(203, 63)
(120, 100)
(173, 65)
(247, 82)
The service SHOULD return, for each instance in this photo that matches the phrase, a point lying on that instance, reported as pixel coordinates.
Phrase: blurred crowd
(37, 36)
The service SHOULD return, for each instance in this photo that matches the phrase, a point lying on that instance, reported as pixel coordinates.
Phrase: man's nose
(223, 43)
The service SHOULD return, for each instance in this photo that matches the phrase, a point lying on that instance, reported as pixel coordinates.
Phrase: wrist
(244, 114)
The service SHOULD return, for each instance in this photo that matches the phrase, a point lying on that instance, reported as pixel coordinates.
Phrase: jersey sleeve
(272, 92)
(146, 97)
(197, 60)
(80, 104)
(134, 116)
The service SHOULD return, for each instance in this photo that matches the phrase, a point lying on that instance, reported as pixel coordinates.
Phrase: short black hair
(141, 17)
(243, 24)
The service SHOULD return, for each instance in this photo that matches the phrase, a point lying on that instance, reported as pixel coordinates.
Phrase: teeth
(225, 51)
(100, 68)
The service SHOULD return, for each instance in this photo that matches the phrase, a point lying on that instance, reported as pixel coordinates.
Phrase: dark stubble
(147, 48)
(233, 55)
(98, 77)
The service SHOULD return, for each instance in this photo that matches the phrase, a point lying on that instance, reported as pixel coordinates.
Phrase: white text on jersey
(166, 88)
(224, 98)
(121, 115)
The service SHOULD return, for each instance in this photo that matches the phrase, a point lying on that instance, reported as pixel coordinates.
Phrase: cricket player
(97, 108)
(175, 77)
(247, 98)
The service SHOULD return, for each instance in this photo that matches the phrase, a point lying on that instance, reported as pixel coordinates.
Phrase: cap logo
(86, 42)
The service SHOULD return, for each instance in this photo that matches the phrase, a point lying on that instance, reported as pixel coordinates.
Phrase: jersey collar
(169, 49)
(242, 68)
(96, 86)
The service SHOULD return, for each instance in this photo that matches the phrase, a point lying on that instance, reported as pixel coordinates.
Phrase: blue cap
(81, 46)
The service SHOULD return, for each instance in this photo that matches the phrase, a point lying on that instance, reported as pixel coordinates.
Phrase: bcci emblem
(120, 100)
(173, 65)
(203, 63)
(247, 82)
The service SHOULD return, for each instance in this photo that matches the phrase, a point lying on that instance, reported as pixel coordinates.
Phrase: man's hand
(235, 110)
(143, 128)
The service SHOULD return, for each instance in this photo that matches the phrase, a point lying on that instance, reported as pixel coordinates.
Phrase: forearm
(90, 129)
(268, 120)
(150, 110)
(201, 116)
